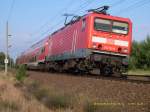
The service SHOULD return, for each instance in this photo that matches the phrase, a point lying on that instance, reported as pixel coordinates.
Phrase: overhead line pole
(6, 52)
(6, 61)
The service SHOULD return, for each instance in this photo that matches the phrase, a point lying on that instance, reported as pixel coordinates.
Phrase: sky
(31, 20)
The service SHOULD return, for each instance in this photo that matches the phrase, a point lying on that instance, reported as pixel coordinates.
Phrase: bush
(41, 94)
(21, 73)
(2, 67)
(49, 98)
(58, 101)
(7, 105)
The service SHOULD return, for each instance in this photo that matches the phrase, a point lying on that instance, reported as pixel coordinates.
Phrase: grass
(12, 98)
(91, 106)
(49, 98)
(139, 72)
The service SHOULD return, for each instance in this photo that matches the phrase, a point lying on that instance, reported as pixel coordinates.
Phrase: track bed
(134, 95)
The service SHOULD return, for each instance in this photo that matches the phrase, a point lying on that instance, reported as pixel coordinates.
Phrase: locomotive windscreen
(111, 26)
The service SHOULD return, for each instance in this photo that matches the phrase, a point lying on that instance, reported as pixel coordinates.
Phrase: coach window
(83, 24)
(43, 49)
(35, 58)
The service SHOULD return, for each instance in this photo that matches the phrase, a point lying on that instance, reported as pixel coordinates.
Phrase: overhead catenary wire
(133, 6)
(58, 14)
(54, 17)
(80, 7)
(51, 28)
(117, 3)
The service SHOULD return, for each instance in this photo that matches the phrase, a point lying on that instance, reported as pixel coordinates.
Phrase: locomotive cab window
(111, 26)
(120, 27)
(102, 24)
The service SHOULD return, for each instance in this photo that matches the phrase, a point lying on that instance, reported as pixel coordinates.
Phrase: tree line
(140, 56)
(2, 57)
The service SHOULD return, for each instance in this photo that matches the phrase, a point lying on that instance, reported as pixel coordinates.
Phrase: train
(94, 41)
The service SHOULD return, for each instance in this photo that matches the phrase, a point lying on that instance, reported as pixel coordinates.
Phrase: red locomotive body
(111, 34)
(93, 41)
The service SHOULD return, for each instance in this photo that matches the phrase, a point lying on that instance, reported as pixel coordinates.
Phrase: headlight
(125, 50)
(94, 45)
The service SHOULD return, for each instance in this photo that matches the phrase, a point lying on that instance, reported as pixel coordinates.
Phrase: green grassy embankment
(139, 72)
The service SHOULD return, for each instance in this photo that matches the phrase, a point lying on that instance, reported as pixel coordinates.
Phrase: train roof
(111, 17)
(36, 45)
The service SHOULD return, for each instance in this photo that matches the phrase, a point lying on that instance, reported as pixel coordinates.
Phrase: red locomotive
(96, 40)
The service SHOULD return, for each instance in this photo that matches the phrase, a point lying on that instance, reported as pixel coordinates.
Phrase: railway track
(126, 78)
(145, 79)
(131, 79)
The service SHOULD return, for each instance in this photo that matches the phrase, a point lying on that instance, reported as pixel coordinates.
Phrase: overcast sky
(32, 20)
